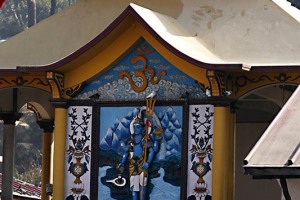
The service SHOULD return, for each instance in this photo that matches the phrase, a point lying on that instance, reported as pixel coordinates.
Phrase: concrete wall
(247, 188)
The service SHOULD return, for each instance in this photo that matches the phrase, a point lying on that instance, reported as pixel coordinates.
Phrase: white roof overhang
(174, 33)
(252, 34)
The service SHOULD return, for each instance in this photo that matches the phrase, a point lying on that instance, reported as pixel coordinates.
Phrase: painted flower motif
(201, 134)
(78, 151)
(201, 148)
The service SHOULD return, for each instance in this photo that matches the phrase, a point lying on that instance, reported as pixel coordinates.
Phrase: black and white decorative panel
(78, 153)
(200, 152)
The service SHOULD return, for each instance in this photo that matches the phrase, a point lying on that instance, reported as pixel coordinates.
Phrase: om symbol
(142, 73)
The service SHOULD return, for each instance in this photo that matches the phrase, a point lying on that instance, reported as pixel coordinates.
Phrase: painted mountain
(167, 159)
(118, 134)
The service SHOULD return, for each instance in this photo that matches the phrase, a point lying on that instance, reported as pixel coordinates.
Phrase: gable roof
(227, 35)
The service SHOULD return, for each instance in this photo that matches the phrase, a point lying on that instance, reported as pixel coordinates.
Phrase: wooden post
(8, 161)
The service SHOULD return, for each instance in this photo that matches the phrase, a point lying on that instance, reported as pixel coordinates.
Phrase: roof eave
(295, 67)
(128, 11)
(273, 172)
(54, 66)
(131, 11)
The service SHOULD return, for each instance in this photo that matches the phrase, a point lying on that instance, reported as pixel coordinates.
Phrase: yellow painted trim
(59, 153)
(121, 45)
(223, 162)
(103, 60)
(246, 82)
(56, 81)
(34, 80)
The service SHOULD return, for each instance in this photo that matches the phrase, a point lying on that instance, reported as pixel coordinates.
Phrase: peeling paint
(207, 12)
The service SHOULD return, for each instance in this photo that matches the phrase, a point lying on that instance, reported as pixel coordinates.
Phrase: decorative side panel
(78, 153)
(200, 146)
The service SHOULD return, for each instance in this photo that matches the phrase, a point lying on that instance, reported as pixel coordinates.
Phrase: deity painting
(140, 152)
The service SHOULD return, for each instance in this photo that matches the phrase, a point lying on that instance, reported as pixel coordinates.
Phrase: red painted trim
(2, 3)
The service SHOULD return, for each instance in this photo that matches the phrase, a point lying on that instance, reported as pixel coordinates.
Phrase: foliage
(28, 163)
(15, 13)
(28, 155)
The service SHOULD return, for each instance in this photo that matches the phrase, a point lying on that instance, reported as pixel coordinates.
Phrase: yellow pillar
(47, 126)
(223, 156)
(59, 152)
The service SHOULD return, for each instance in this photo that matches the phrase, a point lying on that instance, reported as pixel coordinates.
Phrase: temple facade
(203, 78)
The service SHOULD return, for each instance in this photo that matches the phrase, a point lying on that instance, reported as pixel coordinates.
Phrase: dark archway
(22, 120)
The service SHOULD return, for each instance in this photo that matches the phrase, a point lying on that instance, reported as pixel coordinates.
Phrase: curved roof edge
(137, 12)
(167, 31)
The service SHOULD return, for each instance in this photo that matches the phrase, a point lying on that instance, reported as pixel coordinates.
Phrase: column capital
(221, 101)
(220, 83)
(10, 117)
(59, 102)
(47, 125)
(56, 81)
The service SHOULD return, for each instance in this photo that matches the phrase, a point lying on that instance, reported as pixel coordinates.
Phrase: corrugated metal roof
(24, 189)
(277, 152)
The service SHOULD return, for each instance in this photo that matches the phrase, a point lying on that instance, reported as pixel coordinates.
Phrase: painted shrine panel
(78, 153)
(137, 74)
(139, 149)
(200, 152)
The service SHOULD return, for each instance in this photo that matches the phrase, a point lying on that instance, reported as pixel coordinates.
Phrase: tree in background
(18, 15)
(28, 153)
(31, 13)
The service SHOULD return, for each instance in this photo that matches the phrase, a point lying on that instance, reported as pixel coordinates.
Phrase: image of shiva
(141, 149)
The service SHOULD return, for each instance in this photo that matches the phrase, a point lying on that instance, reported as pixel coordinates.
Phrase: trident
(150, 102)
